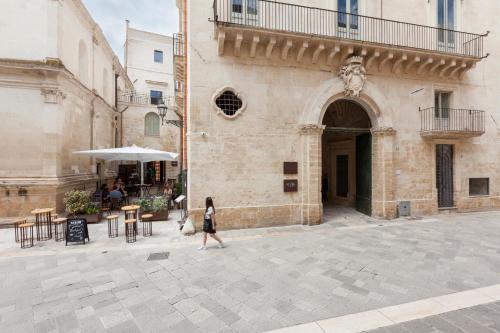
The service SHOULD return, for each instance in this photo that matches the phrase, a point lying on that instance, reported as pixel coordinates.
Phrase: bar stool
(130, 231)
(16, 224)
(60, 229)
(26, 232)
(132, 213)
(147, 225)
(112, 226)
(43, 223)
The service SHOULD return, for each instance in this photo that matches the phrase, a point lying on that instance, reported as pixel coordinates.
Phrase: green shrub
(77, 202)
(152, 204)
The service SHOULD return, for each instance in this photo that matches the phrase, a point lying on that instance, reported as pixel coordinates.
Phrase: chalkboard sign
(77, 231)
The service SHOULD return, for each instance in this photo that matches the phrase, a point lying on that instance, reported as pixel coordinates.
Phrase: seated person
(116, 194)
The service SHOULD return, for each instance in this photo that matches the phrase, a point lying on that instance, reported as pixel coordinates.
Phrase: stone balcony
(323, 38)
(445, 123)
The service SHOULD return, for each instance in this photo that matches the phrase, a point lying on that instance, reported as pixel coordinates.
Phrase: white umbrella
(132, 153)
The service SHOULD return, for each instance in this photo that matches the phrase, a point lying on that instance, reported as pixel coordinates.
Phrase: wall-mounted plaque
(175, 163)
(290, 168)
(291, 185)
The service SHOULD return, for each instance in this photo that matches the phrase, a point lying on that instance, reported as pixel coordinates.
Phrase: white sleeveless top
(209, 213)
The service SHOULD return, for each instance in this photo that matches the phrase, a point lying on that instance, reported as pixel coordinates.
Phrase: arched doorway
(347, 157)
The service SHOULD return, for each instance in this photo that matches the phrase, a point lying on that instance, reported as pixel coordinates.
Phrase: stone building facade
(149, 63)
(384, 106)
(58, 83)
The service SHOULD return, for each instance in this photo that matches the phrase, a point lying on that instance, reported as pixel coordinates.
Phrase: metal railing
(452, 120)
(284, 17)
(143, 99)
(178, 45)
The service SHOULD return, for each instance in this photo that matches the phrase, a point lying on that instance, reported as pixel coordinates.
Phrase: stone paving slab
(479, 319)
(265, 279)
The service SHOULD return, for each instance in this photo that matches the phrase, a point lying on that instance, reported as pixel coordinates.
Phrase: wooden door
(364, 173)
(444, 175)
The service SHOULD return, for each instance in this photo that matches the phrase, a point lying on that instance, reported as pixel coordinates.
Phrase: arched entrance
(346, 157)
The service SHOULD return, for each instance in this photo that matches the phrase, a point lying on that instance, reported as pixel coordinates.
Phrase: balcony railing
(445, 121)
(142, 99)
(290, 18)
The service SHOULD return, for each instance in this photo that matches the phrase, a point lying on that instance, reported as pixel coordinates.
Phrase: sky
(159, 16)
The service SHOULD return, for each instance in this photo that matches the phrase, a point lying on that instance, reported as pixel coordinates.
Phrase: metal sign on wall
(291, 185)
(290, 168)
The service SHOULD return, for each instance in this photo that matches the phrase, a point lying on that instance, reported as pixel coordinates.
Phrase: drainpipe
(121, 125)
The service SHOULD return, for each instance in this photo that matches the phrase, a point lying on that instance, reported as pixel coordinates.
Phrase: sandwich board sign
(76, 231)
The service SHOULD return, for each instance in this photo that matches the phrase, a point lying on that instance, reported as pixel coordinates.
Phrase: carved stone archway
(373, 100)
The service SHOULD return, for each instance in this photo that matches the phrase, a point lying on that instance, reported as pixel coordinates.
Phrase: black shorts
(208, 227)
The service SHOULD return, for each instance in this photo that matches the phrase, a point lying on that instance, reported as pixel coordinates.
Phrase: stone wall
(239, 161)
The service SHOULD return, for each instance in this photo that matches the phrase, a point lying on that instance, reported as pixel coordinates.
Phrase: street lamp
(162, 110)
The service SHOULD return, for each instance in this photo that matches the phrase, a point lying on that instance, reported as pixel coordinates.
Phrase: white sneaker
(221, 245)
(202, 248)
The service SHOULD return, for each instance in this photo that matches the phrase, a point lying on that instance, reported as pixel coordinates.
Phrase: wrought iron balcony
(451, 123)
(178, 41)
(340, 34)
(133, 97)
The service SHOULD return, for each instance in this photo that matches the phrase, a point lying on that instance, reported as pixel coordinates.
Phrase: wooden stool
(43, 223)
(147, 225)
(60, 229)
(26, 232)
(112, 226)
(16, 224)
(130, 231)
(132, 213)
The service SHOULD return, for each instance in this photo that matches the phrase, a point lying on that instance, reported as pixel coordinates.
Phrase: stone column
(310, 171)
(383, 191)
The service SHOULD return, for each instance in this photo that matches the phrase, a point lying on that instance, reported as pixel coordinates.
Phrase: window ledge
(480, 196)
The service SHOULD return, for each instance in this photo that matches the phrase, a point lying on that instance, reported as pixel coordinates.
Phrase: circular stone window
(228, 102)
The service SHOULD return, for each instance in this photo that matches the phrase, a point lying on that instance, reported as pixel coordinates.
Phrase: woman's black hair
(209, 203)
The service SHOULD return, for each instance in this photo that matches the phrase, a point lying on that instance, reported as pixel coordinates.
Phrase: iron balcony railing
(445, 120)
(290, 18)
(143, 99)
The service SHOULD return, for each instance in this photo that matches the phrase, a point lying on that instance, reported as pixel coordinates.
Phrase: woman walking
(209, 224)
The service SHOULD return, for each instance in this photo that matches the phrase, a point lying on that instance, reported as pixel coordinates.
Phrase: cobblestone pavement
(478, 319)
(265, 279)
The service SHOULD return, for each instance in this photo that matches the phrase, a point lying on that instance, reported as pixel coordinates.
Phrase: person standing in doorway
(209, 224)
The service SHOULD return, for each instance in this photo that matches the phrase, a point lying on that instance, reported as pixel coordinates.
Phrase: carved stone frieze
(383, 131)
(52, 95)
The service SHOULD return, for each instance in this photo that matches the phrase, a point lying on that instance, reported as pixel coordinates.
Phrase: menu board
(76, 231)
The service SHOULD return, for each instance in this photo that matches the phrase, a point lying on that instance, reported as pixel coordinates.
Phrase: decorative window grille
(152, 124)
(229, 103)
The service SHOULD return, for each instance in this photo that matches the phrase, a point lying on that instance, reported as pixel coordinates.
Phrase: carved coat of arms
(354, 75)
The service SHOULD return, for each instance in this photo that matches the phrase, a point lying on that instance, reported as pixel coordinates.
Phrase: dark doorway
(342, 175)
(346, 151)
(364, 174)
(444, 175)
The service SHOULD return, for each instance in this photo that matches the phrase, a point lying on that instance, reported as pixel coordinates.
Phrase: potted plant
(79, 204)
(156, 206)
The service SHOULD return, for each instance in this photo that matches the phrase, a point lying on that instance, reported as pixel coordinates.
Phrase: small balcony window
(442, 102)
(158, 55)
(479, 186)
(348, 11)
(156, 97)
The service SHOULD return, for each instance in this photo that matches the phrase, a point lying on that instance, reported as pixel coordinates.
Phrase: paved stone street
(480, 319)
(265, 279)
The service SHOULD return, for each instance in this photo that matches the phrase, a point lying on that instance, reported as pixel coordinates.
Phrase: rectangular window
(442, 102)
(446, 21)
(156, 97)
(348, 12)
(354, 14)
(252, 7)
(158, 57)
(479, 186)
(238, 6)
(342, 9)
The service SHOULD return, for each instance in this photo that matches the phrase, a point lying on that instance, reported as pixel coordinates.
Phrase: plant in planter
(157, 206)
(79, 204)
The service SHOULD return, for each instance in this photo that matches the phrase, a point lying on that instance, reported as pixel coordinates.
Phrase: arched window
(105, 83)
(83, 62)
(152, 124)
